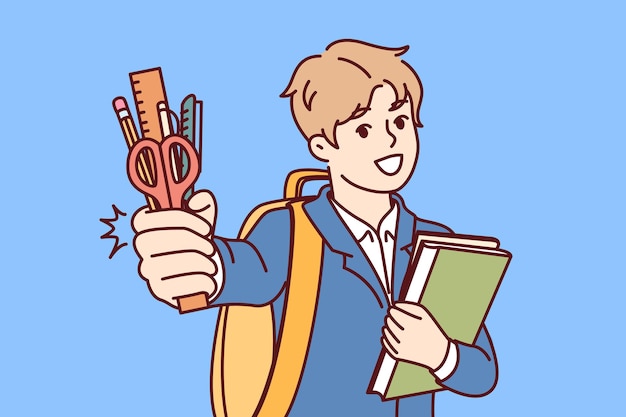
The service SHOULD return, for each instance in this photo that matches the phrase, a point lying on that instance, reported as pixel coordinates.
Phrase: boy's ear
(320, 148)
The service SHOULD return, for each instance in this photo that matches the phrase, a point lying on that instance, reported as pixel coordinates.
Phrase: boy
(357, 105)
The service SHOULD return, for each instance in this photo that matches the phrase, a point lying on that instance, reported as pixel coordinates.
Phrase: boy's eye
(363, 130)
(399, 121)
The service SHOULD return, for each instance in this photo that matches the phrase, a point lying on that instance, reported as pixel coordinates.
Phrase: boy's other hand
(411, 334)
(176, 250)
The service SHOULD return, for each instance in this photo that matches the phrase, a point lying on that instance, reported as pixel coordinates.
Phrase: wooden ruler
(148, 91)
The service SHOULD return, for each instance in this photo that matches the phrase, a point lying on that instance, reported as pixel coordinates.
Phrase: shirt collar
(361, 230)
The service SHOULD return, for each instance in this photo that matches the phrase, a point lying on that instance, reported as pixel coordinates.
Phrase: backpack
(252, 374)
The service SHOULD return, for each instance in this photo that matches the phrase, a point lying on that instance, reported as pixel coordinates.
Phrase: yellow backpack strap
(298, 320)
(296, 180)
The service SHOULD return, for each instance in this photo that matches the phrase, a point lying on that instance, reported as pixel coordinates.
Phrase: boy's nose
(393, 137)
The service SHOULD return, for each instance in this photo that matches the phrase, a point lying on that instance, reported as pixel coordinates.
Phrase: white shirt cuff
(219, 275)
(449, 363)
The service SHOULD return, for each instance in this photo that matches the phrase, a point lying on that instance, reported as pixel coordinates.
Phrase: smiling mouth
(389, 165)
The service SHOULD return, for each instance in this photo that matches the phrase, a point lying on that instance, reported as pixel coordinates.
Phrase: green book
(456, 278)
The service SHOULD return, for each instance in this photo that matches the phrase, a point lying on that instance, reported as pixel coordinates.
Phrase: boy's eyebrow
(397, 104)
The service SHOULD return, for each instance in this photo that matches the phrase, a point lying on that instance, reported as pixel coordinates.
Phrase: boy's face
(377, 151)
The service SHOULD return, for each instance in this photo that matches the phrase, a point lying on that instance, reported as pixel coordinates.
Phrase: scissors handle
(154, 183)
(164, 187)
(177, 188)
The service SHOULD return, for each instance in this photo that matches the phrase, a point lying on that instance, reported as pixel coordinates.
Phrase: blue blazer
(350, 314)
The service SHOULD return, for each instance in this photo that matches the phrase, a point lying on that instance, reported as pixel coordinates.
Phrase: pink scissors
(164, 186)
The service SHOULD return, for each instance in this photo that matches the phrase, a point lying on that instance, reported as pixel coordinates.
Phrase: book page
(456, 239)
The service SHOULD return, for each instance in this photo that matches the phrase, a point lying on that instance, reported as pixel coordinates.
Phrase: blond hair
(329, 89)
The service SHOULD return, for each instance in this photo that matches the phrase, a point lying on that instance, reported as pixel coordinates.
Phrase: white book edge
(384, 375)
(453, 240)
(420, 275)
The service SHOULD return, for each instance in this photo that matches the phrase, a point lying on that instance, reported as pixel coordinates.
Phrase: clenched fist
(176, 253)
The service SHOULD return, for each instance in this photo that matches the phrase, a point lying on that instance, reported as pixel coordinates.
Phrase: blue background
(524, 112)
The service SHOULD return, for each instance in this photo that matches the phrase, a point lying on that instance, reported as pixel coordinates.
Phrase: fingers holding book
(411, 334)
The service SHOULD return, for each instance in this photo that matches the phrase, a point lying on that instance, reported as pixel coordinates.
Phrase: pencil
(130, 134)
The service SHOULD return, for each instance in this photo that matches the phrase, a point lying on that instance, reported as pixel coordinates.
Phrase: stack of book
(455, 277)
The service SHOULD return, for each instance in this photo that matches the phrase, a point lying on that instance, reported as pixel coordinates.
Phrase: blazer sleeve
(476, 371)
(254, 270)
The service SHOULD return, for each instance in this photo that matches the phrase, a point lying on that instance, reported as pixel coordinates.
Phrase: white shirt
(378, 246)
(379, 249)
